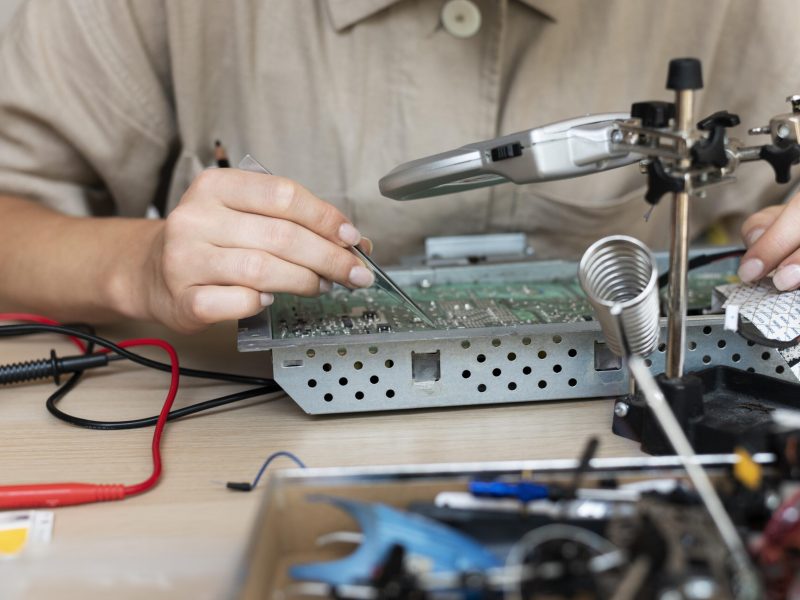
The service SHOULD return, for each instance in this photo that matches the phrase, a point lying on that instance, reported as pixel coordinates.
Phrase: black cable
(266, 386)
(147, 421)
(34, 328)
(75, 378)
(702, 260)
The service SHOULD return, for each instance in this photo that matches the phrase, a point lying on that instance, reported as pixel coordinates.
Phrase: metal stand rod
(679, 250)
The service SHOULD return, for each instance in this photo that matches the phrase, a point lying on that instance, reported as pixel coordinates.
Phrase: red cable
(61, 494)
(151, 481)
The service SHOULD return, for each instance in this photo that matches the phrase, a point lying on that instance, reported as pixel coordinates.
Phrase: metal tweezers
(382, 280)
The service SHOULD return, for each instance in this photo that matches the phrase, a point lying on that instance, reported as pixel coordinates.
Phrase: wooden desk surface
(185, 538)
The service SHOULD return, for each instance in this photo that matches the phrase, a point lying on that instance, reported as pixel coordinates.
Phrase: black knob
(711, 150)
(720, 118)
(781, 160)
(659, 182)
(655, 113)
(685, 74)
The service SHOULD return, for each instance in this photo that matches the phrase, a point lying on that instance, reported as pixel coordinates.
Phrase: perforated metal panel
(547, 362)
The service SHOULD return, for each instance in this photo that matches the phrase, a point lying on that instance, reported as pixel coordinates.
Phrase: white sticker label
(24, 531)
(732, 317)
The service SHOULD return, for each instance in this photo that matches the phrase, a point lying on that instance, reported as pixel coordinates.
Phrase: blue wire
(272, 457)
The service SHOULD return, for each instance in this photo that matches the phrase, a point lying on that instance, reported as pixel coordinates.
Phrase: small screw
(643, 165)
(794, 100)
(758, 130)
(621, 409)
(617, 136)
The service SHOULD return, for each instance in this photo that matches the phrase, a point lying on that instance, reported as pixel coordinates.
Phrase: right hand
(236, 238)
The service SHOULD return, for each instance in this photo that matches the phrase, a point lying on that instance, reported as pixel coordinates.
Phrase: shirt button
(461, 18)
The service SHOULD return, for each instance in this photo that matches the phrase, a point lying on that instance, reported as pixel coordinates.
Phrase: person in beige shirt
(110, 108)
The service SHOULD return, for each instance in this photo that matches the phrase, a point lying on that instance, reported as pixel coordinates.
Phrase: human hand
(772, 236)
(237, 237)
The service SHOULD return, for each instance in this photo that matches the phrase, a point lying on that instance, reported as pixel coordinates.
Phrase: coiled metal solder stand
(620, 271)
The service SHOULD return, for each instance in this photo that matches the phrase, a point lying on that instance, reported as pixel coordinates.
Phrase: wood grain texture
(185, 538)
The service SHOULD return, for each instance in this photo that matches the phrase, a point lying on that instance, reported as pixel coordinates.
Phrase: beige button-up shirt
(107, 106)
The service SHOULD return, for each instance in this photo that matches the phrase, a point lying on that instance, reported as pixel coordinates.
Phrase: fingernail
(325, 286)
(753, 236)
(787, 278)
(266, 299)
(751, 270)
(361, 277)
(349, 234)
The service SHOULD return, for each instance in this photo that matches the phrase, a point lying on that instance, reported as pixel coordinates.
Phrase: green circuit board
(450, 306)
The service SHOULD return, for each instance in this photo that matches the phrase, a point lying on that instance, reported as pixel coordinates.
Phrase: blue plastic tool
(384, 527)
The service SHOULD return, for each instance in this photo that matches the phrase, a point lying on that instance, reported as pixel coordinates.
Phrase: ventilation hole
(572, 382)
(706, 359)
(312, 383)
(481, 358)
(556, 368)
(557, 339)
(736, 358)
(765, 356)
(751, 343)
(721, 344)
(512, 386)
(512, 356)
(495, 342)
(526, 341)
(662, 346)
(572, 353)
(358, 365)
(328, 397)
(465, 344)
(466, 374)
(390, 393)
(779, 369)
(542, 384)
(310, 353)
(373, 350)
(496, 372)
(707, 329)
(692, 345)
(326, 367)
(359, 395)
(389, 363)
(342, 380)
(374, 379)
(526, 371)
(751, 370)
(481, 388)
(648, 363)
(341, 351)
(542, 354)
